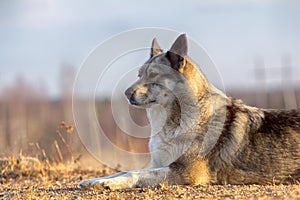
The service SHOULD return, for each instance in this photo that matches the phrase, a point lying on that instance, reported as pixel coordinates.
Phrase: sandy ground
(33, 180)
(67, 189)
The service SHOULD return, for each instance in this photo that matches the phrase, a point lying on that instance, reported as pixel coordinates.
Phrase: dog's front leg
(131, 179)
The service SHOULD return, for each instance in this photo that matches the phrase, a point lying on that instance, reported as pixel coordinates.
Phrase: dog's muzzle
(130, 96)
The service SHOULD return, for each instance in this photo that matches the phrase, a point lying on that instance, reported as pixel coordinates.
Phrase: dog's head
(162, 76)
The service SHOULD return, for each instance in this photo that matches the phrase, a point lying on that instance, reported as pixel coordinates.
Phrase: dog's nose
(129, 92)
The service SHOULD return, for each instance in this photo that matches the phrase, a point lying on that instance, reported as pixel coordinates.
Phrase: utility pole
(261, 95)
(289, 96)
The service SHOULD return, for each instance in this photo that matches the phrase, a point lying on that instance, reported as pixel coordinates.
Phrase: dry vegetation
(29, 178)
(39, 177)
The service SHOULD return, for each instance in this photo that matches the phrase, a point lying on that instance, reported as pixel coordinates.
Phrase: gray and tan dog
(201, 136)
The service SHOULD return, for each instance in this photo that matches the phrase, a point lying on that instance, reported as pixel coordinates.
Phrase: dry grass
(29, 178)
(24, 177)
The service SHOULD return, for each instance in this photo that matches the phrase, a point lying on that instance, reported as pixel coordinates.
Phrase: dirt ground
(28, 178)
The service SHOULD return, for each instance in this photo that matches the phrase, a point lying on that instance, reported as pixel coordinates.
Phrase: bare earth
(31, 179)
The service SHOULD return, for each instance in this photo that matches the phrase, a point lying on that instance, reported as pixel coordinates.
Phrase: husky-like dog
(201, 136)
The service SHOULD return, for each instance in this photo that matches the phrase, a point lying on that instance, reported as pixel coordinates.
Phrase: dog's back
(257, 146)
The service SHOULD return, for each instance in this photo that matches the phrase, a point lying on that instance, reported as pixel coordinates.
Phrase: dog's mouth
(133, 102)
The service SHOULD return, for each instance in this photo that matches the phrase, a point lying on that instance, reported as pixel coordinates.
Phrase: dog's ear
(155, 48)
(176, 60)
(180, 45)
(178, 51)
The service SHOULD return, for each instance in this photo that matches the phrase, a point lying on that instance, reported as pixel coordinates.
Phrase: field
(30, 178)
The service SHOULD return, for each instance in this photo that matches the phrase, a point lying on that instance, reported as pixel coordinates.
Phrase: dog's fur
(201, 136)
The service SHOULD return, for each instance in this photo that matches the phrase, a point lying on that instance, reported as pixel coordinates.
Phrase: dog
(201, 136)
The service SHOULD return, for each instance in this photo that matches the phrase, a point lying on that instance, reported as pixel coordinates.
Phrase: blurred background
(255, 45)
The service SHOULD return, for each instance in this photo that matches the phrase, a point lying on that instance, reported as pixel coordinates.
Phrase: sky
(37, 37)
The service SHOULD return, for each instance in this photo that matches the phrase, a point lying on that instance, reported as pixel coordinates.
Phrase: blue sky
(38, 36)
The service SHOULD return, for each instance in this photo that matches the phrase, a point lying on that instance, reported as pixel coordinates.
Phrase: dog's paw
(85, 183)
(97, 183)
(106, 183)
(112, 183)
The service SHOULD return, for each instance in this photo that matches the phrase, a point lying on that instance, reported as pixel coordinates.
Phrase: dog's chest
(157, 116)
(168, 141)
(164, 150)
(162, 145)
